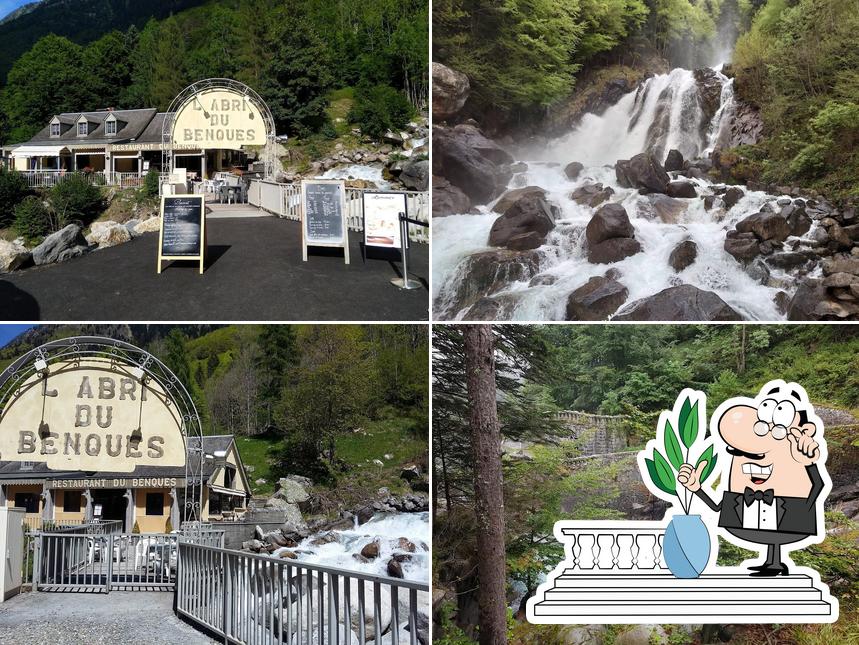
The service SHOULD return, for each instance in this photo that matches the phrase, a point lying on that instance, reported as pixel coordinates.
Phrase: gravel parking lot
(117, 618)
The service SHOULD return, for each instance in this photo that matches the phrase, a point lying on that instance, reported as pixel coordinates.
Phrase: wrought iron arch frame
(117, 352)
(186, 95)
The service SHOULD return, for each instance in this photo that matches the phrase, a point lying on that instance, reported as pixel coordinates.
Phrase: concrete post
(48, 498)
(12, 545)
(130, 510)
(174, 509)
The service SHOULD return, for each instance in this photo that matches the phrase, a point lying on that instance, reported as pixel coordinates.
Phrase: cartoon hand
(690, 476)
(803, 448)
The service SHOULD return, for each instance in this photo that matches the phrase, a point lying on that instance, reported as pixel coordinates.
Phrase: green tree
(296, 78)
(334, 387)
(158, 65)
(13, 188)
(176, 357)
(108, 57)
(44, 81)
(278, 358)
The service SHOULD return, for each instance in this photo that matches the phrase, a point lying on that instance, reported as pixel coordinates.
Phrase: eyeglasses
(778, 431)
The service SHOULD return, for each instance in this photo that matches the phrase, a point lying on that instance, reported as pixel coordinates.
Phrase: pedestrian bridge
(615, 573)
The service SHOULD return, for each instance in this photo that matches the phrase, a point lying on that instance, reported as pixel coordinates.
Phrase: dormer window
(110, 125)
(55, 127)
(83, 127)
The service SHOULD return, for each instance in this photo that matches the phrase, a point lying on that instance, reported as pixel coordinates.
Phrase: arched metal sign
(218, 113)
(99, 404)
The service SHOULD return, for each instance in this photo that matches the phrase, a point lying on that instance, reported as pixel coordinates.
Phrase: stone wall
(598, 434)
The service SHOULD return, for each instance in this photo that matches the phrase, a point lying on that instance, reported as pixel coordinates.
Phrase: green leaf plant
(678, 444)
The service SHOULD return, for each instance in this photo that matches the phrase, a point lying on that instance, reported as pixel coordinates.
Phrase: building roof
(130, 125)
(152, 133)
(12, 470)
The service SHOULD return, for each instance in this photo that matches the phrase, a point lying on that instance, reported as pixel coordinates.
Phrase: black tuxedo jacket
(794, 514)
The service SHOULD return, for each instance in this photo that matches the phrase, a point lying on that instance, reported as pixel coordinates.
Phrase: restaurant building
(128, 142)
(149, 496)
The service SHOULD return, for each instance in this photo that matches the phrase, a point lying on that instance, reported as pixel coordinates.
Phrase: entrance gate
(100, 563)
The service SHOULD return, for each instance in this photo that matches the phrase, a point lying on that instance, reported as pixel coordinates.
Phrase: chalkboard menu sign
(183, 229)
(323, 209)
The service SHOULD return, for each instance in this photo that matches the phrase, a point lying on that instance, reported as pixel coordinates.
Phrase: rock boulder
(573, 169)
(529, 218)
(683, 255)
(597, 299)
(609, 221)
(766, 226)
(682, 189)
(591, 194)
(683, 302)
(466, 168)
(447, 199)
(13, 256)
(644, 172)
(674, 161)
(415, 175)
(512, 196)
(449, 92)
(65, 243)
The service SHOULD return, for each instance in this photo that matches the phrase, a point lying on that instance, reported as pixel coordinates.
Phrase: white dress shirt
(760, 515)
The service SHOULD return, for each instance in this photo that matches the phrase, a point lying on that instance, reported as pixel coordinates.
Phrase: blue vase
(686, 546)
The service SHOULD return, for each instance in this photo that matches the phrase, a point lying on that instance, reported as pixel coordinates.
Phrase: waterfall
(667, 111)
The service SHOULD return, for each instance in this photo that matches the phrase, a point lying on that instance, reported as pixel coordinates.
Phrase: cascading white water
(664, 113)
(387, 529)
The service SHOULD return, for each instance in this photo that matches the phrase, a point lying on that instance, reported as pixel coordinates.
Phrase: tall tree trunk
(488, 497)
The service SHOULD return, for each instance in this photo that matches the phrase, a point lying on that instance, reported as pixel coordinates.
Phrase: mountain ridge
(81, 21)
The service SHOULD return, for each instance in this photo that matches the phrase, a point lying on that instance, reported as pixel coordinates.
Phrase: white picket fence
(50, 178)
(284, 200)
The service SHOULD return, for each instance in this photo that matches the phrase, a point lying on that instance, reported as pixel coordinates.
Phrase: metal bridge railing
(255, 599)
(284, 200)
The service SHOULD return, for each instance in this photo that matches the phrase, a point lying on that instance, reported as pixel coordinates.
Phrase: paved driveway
(255, 272)
(117, 618)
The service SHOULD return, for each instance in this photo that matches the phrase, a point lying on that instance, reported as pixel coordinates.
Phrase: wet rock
(831, 310)
(839, 237)
(683, 189)
(743, 246)
(642, 171)
(360, 558)
(415, 175)
(797, 218)
(609, 221)
(395, 569)
(788, 259)
(449, 93)
(782, 302)
(573, 169)
(840, 264)
(466, 168)
(732, 196)
(709, 200)
(525, 223)
(613, 250)
(766, 226)
(683, 302)
(512, 196)
(519, 166)
(490, 271)
(471, 136)
(62, 245)
(371, 550)
(326, 538)
(758, 271)
(683, 255)
(404, 544)
(709, 92)
(592, 194)
(804, 302)
(674, 161)
(840, 280)
(492, 308)
(597, 299)
(253, 545)
(447, 199)
(13, 256)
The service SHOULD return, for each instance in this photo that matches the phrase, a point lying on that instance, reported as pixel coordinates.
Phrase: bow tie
(750, 496)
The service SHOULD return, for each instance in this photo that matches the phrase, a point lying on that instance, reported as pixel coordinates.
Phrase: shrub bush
(328, 130)
(75, 198)
(150, 183)
(13, 188)
(32, 218)
(380, 108)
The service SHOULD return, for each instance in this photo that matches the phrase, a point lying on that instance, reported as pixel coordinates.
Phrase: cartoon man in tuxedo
(773, 483)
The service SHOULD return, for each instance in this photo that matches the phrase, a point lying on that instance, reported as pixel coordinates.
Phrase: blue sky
(8, 332)
(8, 6)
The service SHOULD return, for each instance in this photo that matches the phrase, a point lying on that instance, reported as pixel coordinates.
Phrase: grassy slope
(357, 450)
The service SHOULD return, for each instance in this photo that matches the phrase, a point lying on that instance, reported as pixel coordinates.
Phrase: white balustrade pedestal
(615, 573)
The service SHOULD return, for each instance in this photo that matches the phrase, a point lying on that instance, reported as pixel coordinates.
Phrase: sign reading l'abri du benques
(91, 416)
